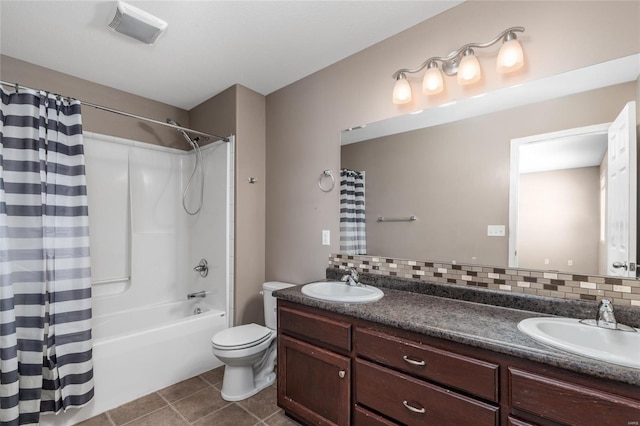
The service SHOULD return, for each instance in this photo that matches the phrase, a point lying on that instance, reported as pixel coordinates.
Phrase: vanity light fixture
(462, 62)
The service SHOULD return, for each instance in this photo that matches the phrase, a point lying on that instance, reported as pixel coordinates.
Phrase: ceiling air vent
(137, 23)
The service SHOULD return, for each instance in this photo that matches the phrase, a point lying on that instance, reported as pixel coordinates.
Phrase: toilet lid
(242, 336)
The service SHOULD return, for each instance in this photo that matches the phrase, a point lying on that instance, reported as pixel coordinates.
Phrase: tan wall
(241, 111)
(93, 120)
(217, 115)
(304, 119)
(455, 177)
(250, 206)
(558, 206)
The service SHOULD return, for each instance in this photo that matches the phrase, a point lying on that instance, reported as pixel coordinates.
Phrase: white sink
(338, 291)
(614, 346)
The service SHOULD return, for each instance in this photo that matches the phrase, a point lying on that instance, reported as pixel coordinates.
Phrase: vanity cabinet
(314, 367)
(334, 369)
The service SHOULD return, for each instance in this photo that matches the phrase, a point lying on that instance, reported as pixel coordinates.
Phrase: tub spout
(200, 294)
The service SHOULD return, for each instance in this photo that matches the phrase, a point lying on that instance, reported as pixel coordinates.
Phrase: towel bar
(397, 219)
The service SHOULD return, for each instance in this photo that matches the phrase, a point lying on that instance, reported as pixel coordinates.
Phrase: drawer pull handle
(413, 361)
(412, 408)
(341, 374)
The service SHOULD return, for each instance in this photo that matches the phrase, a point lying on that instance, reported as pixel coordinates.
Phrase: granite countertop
(475, 324)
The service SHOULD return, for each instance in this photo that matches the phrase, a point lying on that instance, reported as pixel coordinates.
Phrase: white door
(622, 196)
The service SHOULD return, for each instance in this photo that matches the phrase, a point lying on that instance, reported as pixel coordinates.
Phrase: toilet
(249, 351)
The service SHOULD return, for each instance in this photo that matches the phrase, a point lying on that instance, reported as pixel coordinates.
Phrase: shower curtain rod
(17, 87)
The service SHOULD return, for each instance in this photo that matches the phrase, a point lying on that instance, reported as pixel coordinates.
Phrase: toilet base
(238, 383)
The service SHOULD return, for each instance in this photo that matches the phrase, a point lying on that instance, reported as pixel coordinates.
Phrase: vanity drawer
(315, 329)
(569, 403)
(476, 377)
(364, 417)
(414, 402)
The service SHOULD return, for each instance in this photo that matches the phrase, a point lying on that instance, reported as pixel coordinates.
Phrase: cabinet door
(314, 384)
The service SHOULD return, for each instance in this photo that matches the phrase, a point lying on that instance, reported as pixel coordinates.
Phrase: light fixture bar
(456, 54)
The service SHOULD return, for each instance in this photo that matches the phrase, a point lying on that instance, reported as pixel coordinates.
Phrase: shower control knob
(202, 268)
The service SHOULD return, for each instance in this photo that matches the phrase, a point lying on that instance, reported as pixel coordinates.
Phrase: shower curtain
(353, 238)
(45, 279)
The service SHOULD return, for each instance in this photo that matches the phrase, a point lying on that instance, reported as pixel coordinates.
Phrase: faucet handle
(605, 305)
(351, 272)
(605, 316)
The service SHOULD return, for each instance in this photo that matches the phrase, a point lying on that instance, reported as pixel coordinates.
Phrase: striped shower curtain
(45, 278)
(353, 237)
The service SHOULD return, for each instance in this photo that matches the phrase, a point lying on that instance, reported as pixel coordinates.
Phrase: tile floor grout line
(274, 414)
(113, 423)
(248, 411)
(144, 415)
(209, 386)
(205, 380)
(211, 413)
(175, 410)
(190, 395)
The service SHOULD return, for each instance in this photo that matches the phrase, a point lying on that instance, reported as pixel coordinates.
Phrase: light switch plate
(326, 237)
(496, 230)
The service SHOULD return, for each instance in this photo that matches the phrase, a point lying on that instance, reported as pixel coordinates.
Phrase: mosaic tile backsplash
(622, 291)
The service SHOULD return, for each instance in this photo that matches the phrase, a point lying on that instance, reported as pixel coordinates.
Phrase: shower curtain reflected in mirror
(45, 279)
(353, 236)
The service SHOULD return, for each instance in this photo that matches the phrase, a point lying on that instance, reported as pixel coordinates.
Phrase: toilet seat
(241, 337)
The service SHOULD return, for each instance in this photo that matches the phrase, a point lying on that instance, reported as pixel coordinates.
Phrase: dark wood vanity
(335, 369)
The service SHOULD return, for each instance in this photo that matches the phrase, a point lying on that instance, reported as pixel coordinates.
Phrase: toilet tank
(270, 301)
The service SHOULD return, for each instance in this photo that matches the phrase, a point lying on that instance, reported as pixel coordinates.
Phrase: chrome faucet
(352, 277)
(201, 294)
(605, 317)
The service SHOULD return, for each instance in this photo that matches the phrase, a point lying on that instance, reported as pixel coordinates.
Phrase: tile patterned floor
(196, 401)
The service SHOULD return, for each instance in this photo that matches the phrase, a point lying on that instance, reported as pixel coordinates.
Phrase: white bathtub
(141, 351)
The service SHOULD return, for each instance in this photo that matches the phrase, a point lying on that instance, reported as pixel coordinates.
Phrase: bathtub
(140, 351)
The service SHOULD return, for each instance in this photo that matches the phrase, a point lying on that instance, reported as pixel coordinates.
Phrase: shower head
(184, 134)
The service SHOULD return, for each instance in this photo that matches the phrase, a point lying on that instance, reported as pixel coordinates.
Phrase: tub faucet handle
(202, 268)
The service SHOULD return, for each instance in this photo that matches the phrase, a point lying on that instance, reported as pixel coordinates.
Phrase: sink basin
(337, 291)
(614, 346)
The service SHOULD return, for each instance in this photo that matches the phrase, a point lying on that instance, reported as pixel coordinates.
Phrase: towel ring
(326, 173)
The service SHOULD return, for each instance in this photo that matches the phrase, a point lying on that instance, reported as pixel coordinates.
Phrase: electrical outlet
(569, 262)
(546, 261)
(326, 237)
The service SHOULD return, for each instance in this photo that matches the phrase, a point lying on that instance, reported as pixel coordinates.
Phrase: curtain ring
(326, 173)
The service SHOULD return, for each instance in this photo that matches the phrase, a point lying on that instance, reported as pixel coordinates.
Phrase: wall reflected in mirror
(455, 178)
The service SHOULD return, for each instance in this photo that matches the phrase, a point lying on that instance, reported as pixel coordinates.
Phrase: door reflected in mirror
(557, 212)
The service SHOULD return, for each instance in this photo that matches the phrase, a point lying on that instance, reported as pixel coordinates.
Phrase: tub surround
(471, 317)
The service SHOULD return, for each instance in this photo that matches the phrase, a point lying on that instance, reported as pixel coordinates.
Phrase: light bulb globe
(401, 91)
(432, 84)
(510, 57)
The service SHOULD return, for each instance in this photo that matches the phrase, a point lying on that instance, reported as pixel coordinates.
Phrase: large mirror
(435, 184)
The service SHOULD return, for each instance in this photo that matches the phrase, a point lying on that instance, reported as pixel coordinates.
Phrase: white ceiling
(565, 153)
(208, 46)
